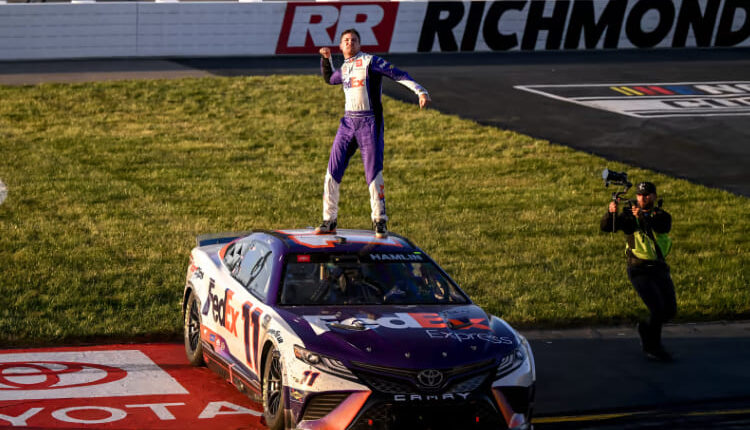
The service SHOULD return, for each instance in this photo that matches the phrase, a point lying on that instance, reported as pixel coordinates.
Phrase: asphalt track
(591, 378)
(710, 150)
(598, 379)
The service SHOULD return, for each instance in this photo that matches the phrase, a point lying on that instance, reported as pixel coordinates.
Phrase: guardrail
(169, 28)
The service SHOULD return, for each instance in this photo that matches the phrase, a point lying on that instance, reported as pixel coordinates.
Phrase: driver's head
(350, 43)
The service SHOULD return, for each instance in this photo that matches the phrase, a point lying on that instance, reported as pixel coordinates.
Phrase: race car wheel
(192, 326)
(273, 391)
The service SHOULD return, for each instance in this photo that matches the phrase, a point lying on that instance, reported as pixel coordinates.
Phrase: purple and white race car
(348, 331)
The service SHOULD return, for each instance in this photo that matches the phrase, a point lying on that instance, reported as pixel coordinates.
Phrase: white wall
(173, 29)
(60, 30)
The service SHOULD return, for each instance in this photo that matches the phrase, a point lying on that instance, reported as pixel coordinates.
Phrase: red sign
(309, 26)
(117, 387)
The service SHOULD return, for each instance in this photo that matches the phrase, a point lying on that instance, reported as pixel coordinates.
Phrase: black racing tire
(273, 391)
(192, 328)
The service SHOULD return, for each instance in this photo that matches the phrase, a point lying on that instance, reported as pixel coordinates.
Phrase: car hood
(402, 336)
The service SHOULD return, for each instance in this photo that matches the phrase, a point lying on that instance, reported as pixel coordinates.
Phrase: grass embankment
(110, 182)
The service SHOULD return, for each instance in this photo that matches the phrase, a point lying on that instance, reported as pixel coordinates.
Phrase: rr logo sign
(310, 26)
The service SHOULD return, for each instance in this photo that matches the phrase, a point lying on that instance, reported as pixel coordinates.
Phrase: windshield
(341, 282)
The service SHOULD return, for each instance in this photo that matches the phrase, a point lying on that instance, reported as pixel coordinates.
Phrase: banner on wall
(190, 29)
(512, 25)
(309, 26)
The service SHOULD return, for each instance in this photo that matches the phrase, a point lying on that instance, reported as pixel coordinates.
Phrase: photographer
(646, 226)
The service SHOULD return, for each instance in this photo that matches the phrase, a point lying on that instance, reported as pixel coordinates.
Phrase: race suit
(361, 127)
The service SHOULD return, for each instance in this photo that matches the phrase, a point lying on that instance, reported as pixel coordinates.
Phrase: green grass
(110, 182)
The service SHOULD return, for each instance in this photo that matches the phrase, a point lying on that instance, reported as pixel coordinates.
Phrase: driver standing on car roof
(361, 127)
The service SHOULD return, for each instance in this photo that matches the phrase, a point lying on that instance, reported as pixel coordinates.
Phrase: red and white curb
(147, 386)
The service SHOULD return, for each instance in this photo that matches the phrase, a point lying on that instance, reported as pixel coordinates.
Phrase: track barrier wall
(39, 31)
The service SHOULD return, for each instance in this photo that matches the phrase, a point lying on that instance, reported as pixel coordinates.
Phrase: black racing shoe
(658, 354)
(326, 227)
(642, 332)
(381, 231)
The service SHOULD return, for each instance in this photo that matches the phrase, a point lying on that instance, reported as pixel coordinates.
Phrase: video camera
(621, 179)
(617, 178)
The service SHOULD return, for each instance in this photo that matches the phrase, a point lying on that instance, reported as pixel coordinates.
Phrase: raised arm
(330, 76)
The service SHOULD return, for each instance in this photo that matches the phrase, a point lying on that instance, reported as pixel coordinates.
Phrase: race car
(350, 331)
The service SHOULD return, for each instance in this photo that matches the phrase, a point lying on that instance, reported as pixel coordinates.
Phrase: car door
(251, 273)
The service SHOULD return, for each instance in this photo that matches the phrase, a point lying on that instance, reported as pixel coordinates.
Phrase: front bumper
(491, 408)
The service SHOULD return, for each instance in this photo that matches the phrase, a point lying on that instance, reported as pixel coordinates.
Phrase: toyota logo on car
(430, 378)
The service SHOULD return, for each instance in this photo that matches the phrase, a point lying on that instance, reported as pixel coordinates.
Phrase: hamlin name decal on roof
(396, 257)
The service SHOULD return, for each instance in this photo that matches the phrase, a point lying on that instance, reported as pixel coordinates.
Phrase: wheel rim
(194, 326)
(274, 387)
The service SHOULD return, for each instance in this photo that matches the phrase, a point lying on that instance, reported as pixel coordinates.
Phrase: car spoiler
(219, 238)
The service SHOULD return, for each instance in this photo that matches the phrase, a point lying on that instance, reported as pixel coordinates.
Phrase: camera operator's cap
(645, 188)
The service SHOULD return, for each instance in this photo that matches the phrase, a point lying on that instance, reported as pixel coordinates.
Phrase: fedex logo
(310, 26)
(354, 83)
(223, 313)
(399, 320)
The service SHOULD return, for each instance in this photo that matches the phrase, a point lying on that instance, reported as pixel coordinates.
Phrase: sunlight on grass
(109, 183)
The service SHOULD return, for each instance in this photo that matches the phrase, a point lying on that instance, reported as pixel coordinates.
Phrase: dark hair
(350, 31)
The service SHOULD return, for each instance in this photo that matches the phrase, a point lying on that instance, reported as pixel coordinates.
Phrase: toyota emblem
(430, 378)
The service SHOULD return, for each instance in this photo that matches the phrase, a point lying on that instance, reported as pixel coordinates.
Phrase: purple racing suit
(361, 127)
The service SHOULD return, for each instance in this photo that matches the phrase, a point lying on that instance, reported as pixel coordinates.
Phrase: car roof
(344, 240)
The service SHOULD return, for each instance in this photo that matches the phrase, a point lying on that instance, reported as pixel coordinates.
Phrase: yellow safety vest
(643, 247)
